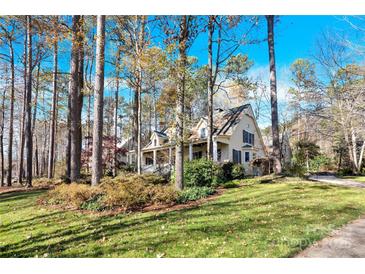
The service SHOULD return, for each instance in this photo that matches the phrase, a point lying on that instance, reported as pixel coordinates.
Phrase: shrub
(233, 171)
(238, 171)
(345, 171)
(95, 203)
(127, 194)
(134, 191)
(128, 191)
(231, 184)
(72, 195)
(194, 193)
(227, 170)
(218, 175)
(163, 194)
(319, 162)
(297, 169)
(198, 173)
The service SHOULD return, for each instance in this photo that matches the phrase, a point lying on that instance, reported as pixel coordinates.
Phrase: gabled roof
(161, 134)
(224, 121)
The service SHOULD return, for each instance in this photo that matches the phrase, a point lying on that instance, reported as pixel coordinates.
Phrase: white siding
(236, 141)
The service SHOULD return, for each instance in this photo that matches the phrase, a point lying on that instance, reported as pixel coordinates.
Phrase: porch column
(215, 150)
(190, 151)
(143, 162)
(154, 157)
(170, 156)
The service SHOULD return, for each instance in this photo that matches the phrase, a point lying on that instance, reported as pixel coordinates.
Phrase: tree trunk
(36, 157)
(34, 119)
(115, 161)
(2, 135)
(53, 118)
(22, 118)
(28, 118)
(210, 88)
(11, 119)
(180, 94)
(81, 84)
(97, 166)
(75, 119)
(139, 94)
(273, 93)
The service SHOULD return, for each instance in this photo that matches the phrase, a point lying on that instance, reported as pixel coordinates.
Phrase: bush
(231, 184)
(129, 192)
(345, 172)
(319, 163)
(297, 169)
(238, 171)
(198, 173)
(233, 171)
(72, 195)
(163, 194)
(95, 203)
(227, 171)
(194, 193)
(218, 175)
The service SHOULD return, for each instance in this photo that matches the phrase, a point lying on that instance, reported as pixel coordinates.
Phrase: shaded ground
(259, 220)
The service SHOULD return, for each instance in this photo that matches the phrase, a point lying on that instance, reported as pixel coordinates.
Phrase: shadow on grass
(227, 217)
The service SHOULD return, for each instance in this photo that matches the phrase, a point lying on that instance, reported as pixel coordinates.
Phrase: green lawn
(259, 220)
(360, 179)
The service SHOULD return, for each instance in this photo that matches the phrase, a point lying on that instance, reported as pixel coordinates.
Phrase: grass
(255, 220)
(360, 179)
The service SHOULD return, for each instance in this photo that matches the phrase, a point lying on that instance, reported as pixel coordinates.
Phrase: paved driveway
(347, 242)
(330, 179)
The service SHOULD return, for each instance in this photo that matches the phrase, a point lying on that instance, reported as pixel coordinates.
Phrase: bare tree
(97, 167)
(54, 104)
(28, 118)
(8, 34)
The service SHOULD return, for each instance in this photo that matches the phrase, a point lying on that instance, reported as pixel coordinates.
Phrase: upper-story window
(248, 138)
(154, 142)
(203, 132)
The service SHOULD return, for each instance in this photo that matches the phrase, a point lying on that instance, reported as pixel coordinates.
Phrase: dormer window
(203, 132)
(154, 142)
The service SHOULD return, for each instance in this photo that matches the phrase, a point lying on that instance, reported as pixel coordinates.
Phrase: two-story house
(236, 138)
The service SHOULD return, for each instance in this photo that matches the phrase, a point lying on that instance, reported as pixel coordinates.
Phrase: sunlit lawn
(360, 179)
(259, 220)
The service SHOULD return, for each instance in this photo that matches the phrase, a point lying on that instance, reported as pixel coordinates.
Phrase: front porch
(162, 157)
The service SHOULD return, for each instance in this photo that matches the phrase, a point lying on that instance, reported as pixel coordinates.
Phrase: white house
(236, 138)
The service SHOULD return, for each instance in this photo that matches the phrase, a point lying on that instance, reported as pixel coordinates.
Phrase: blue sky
(295, 37)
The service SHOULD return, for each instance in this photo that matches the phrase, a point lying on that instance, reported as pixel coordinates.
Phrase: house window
(236, 156)
(248, 138)
(149, 161)
(197, 154)
(247, 156)
(219, 155)
(154, 142)
(203, 133)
